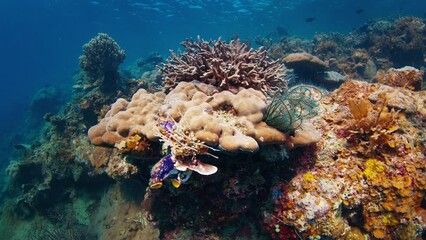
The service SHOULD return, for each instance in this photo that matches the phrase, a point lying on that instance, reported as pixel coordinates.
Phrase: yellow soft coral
(308, 176)
(373, 168)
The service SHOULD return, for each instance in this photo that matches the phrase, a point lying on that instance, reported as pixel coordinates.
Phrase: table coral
(305, 64)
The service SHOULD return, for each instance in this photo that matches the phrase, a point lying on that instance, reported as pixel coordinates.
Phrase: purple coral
(161, 170)
(227, 66)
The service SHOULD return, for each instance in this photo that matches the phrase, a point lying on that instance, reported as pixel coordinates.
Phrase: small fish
(179, 177)
(22, 146)
(310, 19)
(358, 11)
(176, 182)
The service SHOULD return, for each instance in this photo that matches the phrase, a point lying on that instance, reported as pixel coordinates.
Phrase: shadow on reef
(229, 204)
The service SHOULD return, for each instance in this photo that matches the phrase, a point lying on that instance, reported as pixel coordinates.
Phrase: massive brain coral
(231, 121)
(227, 66)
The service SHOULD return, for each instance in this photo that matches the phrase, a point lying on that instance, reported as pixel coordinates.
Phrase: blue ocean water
(41, 40)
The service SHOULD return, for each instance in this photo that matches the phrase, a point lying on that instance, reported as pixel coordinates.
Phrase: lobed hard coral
(305, 64)
(230, 121)
(226, 66)
(190, 120)
(368, 180)
(196, 119)
(100, 60)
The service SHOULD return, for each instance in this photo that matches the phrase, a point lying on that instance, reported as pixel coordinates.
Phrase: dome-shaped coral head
(227, 66)
(101, 55)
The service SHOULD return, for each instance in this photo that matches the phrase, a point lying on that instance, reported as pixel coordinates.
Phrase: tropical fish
(358, 11)
(310, 19)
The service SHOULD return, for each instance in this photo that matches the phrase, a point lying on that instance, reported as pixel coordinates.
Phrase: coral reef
(227, 66)
(215, 118)
(300, 163)
(369, 171)
(407, 77)
(100, 60)
(193, 119)
(402, 42)
(377, 45)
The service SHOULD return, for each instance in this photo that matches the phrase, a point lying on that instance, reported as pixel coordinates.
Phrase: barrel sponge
(232, 121)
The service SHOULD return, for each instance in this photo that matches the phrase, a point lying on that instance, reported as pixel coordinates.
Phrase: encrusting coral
(408, 77)
(369, 171)
(227, 66)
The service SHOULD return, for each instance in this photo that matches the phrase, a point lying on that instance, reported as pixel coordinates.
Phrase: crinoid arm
(288, 110)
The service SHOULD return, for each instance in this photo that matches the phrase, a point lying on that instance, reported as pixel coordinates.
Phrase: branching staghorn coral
(227, 66)
(287, 111)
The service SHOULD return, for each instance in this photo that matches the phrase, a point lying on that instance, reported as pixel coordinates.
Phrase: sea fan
(287, 111)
